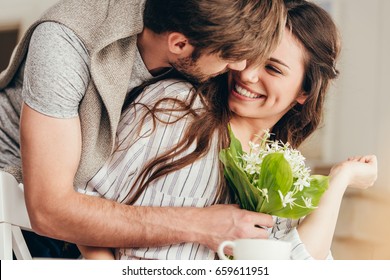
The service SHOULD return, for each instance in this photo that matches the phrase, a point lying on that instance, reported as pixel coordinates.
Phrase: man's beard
(191, 71)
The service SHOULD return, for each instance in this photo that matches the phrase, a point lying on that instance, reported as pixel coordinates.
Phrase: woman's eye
(273, 69)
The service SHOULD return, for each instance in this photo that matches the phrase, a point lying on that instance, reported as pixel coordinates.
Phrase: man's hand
(227, 222)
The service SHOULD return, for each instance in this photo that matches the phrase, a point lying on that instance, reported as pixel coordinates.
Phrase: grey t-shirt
(56, 76)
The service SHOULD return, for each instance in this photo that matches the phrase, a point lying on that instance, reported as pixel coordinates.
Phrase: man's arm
(51, 148)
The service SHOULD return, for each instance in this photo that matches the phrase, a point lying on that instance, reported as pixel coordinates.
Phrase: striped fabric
(194, 185)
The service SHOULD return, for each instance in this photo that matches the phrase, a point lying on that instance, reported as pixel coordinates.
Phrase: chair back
(13, 218)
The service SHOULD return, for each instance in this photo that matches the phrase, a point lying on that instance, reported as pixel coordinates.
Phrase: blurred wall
(357, 118)
(357, 122)
(21, 12)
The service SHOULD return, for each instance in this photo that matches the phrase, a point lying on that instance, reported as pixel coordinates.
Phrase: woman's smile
(244, 93)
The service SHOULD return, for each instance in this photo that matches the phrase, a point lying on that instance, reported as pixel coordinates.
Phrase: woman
(285, 95)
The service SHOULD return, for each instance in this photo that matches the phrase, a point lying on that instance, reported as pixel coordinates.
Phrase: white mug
(256, 249)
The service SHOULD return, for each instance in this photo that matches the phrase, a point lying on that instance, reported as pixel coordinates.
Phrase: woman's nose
(250, 75)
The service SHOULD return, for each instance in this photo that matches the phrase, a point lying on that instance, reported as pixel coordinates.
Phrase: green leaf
(246, 193)
(318, 185)
(235, 146)
(276, 175)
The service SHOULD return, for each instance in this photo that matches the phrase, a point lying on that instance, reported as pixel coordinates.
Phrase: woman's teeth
(242, 91)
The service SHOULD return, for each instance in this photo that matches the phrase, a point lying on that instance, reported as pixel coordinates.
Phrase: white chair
(13, 218)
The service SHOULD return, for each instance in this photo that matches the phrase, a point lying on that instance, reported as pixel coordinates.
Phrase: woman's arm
(317, 229)
(96, 253)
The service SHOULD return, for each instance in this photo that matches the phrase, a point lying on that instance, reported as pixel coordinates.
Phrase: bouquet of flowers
(272, 178)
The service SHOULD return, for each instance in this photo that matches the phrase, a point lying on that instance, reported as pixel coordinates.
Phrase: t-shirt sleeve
(57, 71)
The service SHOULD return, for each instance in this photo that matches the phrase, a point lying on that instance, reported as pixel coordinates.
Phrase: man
(67, 83)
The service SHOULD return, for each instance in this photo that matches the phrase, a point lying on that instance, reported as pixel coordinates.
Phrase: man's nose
(238, 66)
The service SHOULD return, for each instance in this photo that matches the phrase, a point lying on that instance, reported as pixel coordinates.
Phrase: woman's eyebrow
(279, 61)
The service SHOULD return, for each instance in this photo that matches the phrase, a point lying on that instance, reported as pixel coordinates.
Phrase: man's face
(205, 67)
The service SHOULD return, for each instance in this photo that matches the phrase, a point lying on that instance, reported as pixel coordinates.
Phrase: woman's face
(268, 92)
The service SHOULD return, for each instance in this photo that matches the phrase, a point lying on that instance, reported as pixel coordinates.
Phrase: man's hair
(235, 29)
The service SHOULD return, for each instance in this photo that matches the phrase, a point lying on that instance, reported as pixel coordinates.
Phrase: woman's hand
(359, 172)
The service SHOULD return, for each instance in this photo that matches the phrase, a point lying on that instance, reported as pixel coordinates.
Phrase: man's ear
(178, 44)
(301, 98)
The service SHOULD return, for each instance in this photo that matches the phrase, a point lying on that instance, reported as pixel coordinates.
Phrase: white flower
(251, 158)
(274, 147)
(264, 192)
(254, 146)
(251, 169)
(288, 199)
(308, 203)
(267, 134)
(252, 163)
(302, 182)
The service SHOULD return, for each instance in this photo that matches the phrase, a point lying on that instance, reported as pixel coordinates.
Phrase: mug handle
(222, 246)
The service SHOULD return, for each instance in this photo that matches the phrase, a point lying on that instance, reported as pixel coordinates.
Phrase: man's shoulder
(54, 36)
(99, 22)
(50, 30)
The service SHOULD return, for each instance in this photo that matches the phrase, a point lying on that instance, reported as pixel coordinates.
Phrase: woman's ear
(301, 98)
(178, 44)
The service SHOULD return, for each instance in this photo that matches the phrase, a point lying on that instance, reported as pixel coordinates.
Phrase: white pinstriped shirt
(195, 185)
